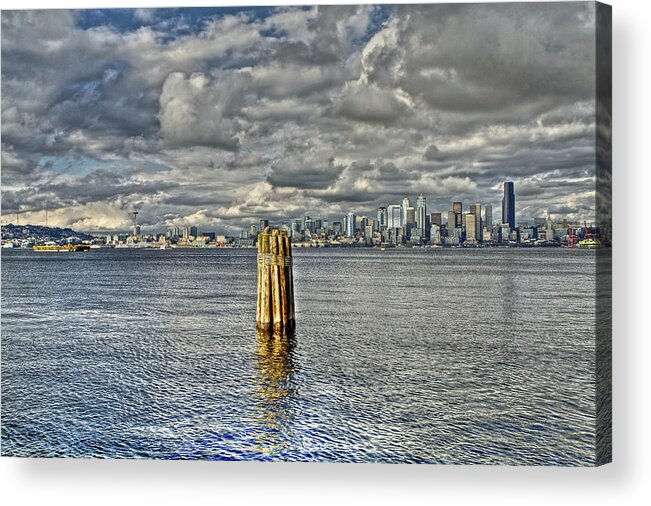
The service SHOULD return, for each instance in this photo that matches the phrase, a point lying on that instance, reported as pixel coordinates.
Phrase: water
(439, 356)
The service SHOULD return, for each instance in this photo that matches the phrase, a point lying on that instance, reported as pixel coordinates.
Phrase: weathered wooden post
(275, 307)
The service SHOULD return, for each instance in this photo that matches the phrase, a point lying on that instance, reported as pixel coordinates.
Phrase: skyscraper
(488, 216)
(457, 207)
(350, 224)
(394, 216)
(381, 218)
(508, 205)
(411, 217)
(471, 227)
(435, 219)
(452, 222)
(475, 210)
(263, 224)
(405, 205)
(421, 212)
(296, 228)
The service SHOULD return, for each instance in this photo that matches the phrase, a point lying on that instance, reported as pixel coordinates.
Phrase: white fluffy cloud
(195, 110)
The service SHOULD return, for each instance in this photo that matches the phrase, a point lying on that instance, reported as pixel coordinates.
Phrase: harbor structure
(275, 310)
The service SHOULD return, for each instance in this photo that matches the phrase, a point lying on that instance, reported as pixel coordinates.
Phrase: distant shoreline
(320, 248)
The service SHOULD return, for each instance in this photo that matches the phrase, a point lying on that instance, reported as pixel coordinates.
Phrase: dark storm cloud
(283, 112)
(304, 172)
(434, 154)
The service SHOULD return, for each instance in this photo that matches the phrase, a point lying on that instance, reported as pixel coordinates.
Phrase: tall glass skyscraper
(421, 212)
(488, 216)
(350, 224)
(405, 205)
(381, 218)
(394, 216)
(475, 210)
(508, 205)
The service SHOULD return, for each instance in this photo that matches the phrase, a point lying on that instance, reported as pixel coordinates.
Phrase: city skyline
(218, 117)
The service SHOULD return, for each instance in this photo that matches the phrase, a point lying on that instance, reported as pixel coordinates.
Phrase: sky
(220, 117)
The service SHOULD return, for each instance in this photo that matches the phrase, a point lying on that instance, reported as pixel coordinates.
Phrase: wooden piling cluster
(275, 308)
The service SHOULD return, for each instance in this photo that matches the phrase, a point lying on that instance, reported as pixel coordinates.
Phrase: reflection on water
(449, 356)
(275, 366)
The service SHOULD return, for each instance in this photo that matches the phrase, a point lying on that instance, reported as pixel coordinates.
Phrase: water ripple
(441, 356)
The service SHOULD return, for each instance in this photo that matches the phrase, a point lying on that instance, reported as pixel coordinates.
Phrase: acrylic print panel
(344, 233)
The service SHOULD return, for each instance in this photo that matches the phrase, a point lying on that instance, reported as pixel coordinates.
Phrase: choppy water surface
(440, 356)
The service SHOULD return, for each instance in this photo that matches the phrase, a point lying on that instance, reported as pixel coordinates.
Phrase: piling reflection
(275, 389)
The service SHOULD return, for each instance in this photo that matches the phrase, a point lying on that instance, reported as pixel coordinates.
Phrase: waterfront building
(475, 211)
(435, 219)
(368, 233)
(350, 224)
(394, 216)
(508, 205)
(457, 208)
(396, 235)
(421, 214)
(531, 232)
(452, 223)
(471, 227)
(435, 234)
(417, 235)
(405, 205)
(504, 232)
(488, 217)
(550, 234)
(411, 217)
(381, 218)
(194, 231)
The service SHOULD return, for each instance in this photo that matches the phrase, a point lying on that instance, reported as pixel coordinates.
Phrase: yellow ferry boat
(65, 248)
(588, 243)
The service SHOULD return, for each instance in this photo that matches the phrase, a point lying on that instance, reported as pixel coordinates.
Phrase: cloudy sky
(220, 117)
